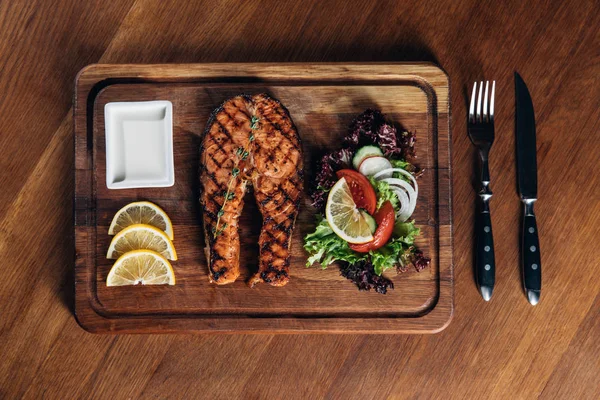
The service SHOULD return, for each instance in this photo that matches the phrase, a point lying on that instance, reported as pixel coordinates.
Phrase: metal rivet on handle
(487, 248)
(532, 249)
(486, 229)
(531, 230)
(487, 267)
(534, 266)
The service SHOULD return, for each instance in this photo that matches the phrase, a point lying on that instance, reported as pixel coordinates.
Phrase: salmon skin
(250, 141)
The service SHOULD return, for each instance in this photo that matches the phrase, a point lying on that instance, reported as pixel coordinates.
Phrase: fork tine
(478, 113)
(485, 116)
(492, 100)
(472, 106)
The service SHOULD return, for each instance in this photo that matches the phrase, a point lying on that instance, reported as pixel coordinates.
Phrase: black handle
(530, 255)
(485, 265)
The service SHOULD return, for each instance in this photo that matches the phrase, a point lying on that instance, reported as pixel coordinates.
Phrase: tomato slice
(385, 218)
(363, 193)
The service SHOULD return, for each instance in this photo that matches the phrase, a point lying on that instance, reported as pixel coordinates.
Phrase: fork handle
(485, 264)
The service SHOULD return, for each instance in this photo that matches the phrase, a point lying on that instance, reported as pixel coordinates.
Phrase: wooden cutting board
(322, 100)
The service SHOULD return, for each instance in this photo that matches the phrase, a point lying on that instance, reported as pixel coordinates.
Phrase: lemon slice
(141, 212)
(141, 267)
(344, 217)
(141, 237)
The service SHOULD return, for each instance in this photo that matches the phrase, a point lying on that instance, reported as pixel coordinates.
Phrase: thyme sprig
(242, 153)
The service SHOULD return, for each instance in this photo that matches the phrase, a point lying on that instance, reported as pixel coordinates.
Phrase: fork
(481, 132)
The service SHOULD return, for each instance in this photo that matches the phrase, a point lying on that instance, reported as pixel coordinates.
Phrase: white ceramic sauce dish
(139, 144)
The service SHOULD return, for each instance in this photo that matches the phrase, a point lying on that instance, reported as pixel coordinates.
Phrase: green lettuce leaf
(387, 256)
(406, 232)
(405, 165)
(397, 249)
(384, 193)
(325, 247)
(402, 164)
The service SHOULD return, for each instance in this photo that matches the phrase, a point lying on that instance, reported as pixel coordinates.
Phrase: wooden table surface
(502, 349)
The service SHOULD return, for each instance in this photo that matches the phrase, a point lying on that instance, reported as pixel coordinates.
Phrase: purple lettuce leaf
(326, 177)
(363, 130)
(406, 145)
(388, 141)
(415, 257)
(363, 275)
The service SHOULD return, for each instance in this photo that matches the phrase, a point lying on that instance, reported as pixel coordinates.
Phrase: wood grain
(322, 99)
(502, 349)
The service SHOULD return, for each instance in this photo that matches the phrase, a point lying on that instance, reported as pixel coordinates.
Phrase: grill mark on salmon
(278, 188)
(227, 130)
(273, 168)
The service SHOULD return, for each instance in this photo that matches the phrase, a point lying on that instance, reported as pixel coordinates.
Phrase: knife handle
(485, 264)
(531, 264)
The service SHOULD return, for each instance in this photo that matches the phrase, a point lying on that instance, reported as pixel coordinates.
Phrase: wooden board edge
(92, 321)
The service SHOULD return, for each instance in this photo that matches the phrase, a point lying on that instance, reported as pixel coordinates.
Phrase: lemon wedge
(345, 219)
(141, 212)
(141, 237)
(141, 267)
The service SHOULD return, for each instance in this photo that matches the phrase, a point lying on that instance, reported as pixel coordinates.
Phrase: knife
(531, 265)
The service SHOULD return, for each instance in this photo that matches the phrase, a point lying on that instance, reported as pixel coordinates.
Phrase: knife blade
(531, 266)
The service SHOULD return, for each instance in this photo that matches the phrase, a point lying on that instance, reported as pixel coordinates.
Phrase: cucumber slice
(372, 165)
(370, 221)
(364, 152)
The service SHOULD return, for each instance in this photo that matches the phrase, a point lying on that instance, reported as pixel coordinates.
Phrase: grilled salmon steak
(250, 140)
